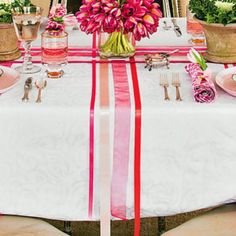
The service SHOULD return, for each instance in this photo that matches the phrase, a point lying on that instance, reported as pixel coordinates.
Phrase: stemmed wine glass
(27, 21)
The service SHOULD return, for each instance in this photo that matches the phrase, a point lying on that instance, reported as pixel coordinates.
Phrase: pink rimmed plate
(225, 81)
(8, 78)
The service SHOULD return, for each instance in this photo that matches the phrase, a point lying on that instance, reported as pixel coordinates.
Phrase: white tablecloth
(187, 151)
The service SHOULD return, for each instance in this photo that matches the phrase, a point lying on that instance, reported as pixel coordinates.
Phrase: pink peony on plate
(224, 79)
(8, 78)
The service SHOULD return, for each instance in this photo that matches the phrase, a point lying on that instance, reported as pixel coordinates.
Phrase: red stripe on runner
(137, 148)
(138, 61)
(6, 63)
(91, 131)
(226, 66)
(138, 48)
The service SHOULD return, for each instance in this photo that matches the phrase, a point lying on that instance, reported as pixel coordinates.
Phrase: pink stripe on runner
(91, 133)
(121, 140)
(6, 63)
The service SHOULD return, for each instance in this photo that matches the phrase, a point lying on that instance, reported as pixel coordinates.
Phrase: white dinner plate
(225, 81)
(8, 78)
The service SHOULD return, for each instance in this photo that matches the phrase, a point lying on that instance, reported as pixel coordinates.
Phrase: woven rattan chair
(24, 226)
(218, 222)
(182, 6)
(174, 8)
(45, 4)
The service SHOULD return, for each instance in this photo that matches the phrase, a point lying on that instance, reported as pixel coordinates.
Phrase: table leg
(161, 225)
(67, 227)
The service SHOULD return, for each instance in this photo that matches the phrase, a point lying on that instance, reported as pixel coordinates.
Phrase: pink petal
(148, 19)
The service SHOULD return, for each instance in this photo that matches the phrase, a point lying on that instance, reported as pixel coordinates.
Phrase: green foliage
(214, 11)
(58, 19)
(200, 60)
(5, 13)
(21, 3)
(5, 9)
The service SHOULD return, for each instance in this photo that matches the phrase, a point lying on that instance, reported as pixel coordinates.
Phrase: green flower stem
(117, 44)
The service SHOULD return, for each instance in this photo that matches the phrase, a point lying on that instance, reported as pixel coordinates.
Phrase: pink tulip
(70, 20)
(110, 23)
(116, 12)
(58, 11)
(148, 19)
(139, 17)
(53, 25)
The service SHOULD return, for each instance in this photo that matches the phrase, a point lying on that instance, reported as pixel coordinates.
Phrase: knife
(176, 28)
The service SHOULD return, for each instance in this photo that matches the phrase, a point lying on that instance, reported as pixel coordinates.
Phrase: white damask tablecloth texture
(188, 149)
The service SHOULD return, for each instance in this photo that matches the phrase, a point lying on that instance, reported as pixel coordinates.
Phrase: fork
(40, 85)
(176, 28)
(165, 84)
(176, 83)
(27, 88)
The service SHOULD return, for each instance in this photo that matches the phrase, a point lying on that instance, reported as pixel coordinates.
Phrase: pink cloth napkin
(204, 90)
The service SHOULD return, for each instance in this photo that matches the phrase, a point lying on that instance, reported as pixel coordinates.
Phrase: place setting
(27, 18)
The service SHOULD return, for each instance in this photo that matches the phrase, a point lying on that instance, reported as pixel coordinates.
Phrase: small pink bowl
(8, 78)
(225, 81)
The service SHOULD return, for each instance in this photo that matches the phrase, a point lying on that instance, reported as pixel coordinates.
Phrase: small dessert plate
(8, 78)
(226, 79)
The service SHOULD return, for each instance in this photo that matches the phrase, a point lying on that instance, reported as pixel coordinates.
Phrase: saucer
(8, 78)
(225, 81)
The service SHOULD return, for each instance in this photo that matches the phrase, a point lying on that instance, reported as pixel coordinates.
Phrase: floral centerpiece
(59, 19)
(55, 40)
(118, 18)
(218, 18)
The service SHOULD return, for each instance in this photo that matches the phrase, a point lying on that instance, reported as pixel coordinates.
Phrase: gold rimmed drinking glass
(27, 21)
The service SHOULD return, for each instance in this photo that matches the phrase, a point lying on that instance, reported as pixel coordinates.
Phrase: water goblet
(26, 22)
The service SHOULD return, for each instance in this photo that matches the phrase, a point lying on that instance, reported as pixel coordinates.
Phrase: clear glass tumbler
(194, 29)
(54, 52)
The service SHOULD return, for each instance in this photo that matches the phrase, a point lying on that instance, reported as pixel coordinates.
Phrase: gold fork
(165, 84)
(176, 83)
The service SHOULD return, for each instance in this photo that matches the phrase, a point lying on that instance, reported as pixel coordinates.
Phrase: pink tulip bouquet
(58, 18)
(118, 18)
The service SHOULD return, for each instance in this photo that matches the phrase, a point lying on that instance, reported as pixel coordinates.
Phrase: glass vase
(116, 44)
(54, 45)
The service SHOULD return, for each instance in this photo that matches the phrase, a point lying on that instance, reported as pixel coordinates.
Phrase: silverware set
(27, 88)
(176, 84)
(176, 27)
(164, 82)
(40, 84)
